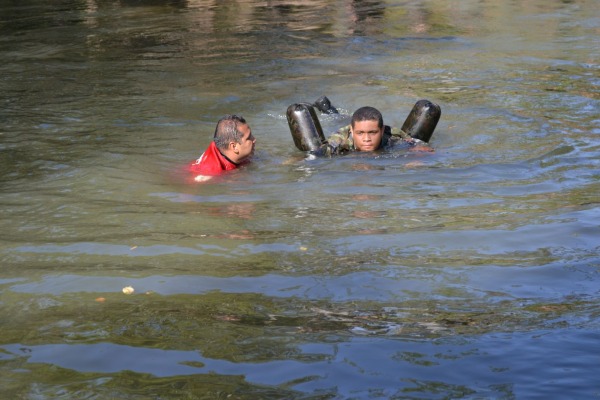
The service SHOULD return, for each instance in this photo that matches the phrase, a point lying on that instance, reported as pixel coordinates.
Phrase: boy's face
(367, 135)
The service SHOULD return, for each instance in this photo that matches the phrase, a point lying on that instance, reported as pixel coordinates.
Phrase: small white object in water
(360, 331)
(128, 290)
(202, 178)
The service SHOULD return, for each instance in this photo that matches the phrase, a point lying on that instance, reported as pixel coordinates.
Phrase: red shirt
(211, 162)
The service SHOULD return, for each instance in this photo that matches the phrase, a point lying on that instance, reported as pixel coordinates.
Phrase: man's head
(367, 129)
(233, 137)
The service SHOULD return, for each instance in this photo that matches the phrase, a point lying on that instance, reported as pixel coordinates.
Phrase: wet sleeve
(399, 134)
(339, 142)
(399, 137)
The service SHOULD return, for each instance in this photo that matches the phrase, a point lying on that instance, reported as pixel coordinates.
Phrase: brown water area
(471, 272)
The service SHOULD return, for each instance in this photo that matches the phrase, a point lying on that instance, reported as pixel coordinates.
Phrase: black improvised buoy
(305, 127)
(422, 120)
(323, 104)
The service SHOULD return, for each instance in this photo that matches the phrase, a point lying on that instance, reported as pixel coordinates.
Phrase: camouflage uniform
(341, 141)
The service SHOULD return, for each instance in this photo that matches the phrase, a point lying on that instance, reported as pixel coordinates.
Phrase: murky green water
(469, 273)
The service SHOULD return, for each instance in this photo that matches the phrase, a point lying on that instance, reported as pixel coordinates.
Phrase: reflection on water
(400, 275)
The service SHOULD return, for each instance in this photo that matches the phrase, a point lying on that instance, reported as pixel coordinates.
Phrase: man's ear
(233, 146)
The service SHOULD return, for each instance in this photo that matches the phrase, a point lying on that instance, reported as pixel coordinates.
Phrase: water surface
(468, 273)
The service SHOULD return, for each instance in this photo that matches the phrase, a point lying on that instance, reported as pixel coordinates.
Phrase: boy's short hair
(367, 114)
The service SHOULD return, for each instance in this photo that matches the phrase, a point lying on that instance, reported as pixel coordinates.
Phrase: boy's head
(367, 129)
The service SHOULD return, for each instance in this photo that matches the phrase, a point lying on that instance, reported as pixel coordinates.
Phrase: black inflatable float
(323, 104)
(305, 127)
(422, 120)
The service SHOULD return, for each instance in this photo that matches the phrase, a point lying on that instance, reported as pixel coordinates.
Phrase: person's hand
(422, 148)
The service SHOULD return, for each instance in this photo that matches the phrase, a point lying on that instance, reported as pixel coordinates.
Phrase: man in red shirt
(232, 146)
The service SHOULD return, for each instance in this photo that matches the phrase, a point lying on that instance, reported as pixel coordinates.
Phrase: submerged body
(343, 141)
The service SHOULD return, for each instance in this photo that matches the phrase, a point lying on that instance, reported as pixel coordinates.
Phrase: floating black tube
(323, 104)
(305, 127)
(422, 120)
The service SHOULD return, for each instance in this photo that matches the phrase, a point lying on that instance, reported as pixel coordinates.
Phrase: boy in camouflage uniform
(367, 132)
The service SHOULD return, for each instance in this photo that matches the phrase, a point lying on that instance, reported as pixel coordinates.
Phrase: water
(468, 273)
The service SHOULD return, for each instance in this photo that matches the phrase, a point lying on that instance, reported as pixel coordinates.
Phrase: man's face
(366, 135)
(246, 145)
